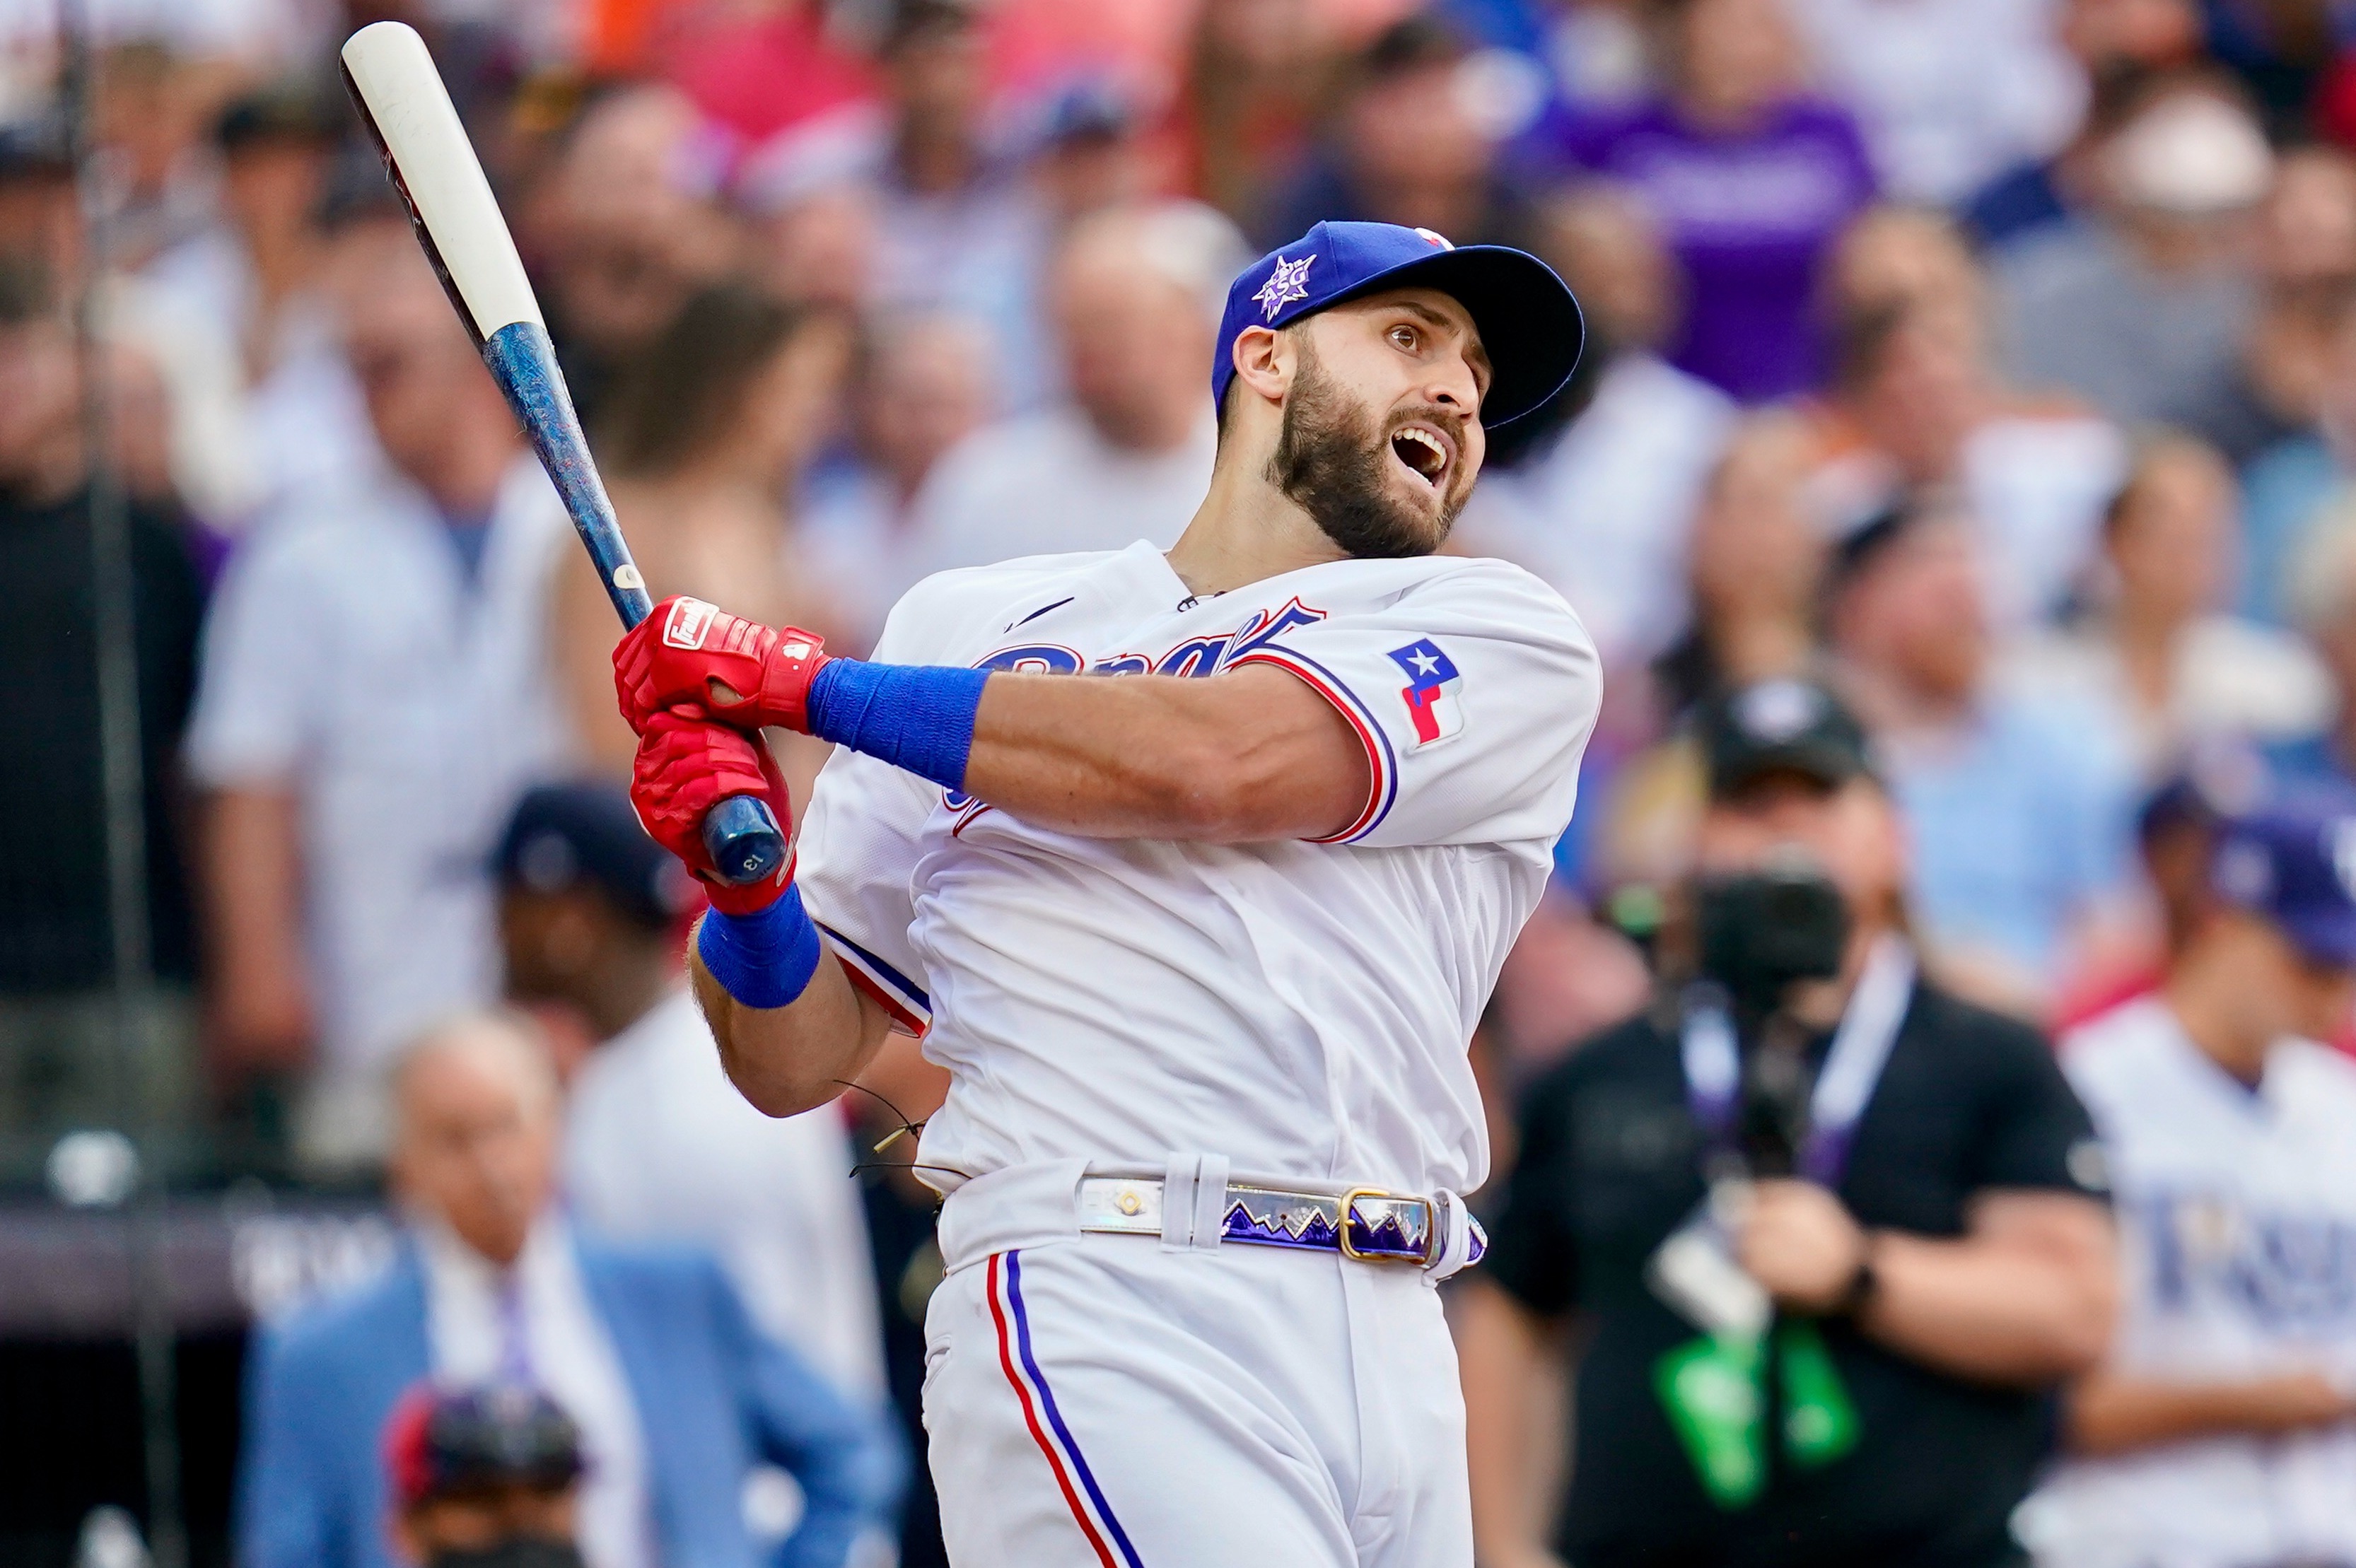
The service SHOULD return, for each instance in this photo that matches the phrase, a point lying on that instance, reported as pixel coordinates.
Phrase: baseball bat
(408, 112)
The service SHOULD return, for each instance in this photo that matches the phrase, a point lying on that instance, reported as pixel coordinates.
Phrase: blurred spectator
(485, 1477)
(1137, 293)
(2221, 1430)
(1407, 143)
(1918, 409)
(2176, 831)
(2118, 45)
(149, 111)
(1601, 511)
(659, 1147)
(2155, 648)
(1815, 1327)
(1258, 75)
(2322, 588)
(258, 271)
(1752, 180)
(375, 696)
(2305, 266)
(2295, 485)
(922, 385)
(2140, 306)
(2018, 803)
(649, 1352)
(958, 228)
(624, 229)
(58, 1018)
(1594, 52)
(1950, 93)
(704, 436)
(41, 220)
(1755, 570)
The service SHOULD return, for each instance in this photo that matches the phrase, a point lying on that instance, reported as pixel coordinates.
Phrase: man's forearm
(1512, 1366)
(1985, 1310)
(252, 881)
(2109, 1414)
(788, 1060)
(1251, 756)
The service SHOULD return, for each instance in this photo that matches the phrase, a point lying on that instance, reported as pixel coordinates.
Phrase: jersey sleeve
(862, 835)
(1473, 694)
(2037, 1134)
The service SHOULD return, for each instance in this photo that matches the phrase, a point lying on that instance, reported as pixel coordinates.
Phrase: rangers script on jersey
(1301, 1008)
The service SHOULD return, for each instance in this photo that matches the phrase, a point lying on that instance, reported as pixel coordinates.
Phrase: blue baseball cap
(2293, 862)
(1529, 322)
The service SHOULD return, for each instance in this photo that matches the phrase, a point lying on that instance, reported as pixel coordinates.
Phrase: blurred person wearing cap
(2176, 834)
(59, 1066)
(1127, 453)
(1600, 505)
(484, 1478)
(1175, 936)
(1752, 177)
(648, 1350)
(375, 696)
(1823, 1231)
(2220, 1431)
(658, 1145)
(2140, 306)
(2018, 798)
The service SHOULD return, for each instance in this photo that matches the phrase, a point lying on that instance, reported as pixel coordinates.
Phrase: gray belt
(1364, 1222)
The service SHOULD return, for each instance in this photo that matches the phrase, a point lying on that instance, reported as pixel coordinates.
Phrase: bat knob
(743, 840)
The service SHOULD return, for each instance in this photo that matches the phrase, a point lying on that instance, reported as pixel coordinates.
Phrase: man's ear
(1264, 360)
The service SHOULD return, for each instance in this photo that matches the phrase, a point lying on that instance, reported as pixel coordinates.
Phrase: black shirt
(1609, 1165)
(54, 933)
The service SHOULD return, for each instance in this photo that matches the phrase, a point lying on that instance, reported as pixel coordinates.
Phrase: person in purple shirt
(1752, 179)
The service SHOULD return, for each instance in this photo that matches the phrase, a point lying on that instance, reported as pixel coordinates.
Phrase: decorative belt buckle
(1382, 1253)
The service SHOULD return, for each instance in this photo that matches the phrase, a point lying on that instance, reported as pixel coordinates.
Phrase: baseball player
(1199, 947)
(2223, 1432)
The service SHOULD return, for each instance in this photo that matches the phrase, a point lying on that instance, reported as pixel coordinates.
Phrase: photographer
(1829, 1235)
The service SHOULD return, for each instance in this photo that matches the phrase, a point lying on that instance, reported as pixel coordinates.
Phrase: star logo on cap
(1287, 284)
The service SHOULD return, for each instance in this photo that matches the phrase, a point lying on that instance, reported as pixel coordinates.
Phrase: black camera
(1762, 930)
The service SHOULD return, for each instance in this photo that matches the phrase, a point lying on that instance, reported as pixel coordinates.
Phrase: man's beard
(1333, 462)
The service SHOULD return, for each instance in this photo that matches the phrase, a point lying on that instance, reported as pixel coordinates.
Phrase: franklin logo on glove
(688, 622)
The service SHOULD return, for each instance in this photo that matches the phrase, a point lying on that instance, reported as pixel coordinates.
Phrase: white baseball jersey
(1301, 1008)
(2237, 1221)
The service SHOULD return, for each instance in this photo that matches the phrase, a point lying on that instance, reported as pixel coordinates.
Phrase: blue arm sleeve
(848, 1460)
(917, 717)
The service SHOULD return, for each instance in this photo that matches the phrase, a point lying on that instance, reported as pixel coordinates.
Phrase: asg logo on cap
(1290, 282)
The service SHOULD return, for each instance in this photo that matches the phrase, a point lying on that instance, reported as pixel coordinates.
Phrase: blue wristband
(763, 960)
(917, 717)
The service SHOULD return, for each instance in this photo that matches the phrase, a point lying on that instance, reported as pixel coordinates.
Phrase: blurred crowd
(1992, 362)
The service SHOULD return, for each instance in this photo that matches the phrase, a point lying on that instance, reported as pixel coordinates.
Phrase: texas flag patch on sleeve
(1432, 696)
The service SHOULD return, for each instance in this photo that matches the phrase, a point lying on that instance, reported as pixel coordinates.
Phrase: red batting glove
(686, 766)
(688, 652)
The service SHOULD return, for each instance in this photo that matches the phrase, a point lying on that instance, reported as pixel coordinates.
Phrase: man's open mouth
(1427, 452)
